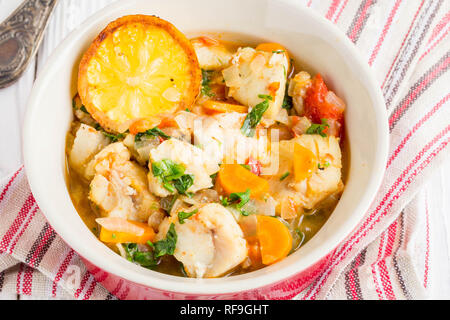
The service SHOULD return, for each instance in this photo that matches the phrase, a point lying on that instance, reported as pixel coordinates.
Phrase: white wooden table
(70, 13)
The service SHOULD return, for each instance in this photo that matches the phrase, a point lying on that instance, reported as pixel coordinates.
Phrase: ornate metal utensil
(20, 36)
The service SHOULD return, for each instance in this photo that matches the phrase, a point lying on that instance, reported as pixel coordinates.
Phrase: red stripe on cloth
(427, 237)
(93, 285)
(374, 268)
(62, 269)
(403, 43)
(333, 7)
(385, 31)
(17, 223)
(360, 20)
(340, 12)
(415, 92)
(8, 185)
(365, 228)
(117, 289)
(434, 44)
(82, 284)
(47, 235)
(440, 26)
(352, 274)
(27, 283)
(19, 279)
(384, 273)
(415, 128)
(28, 221)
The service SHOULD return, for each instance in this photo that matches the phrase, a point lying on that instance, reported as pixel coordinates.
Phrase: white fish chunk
(210, 243)
(253, 73)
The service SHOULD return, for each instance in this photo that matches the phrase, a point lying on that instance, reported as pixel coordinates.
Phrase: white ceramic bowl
(309, 38)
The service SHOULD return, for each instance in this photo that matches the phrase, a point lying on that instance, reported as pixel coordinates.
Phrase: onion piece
(120, 225)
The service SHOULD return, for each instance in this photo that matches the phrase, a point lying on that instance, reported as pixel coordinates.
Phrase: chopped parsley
(287, 100)
(318, 128)
(254, 117)
(83, 108)
(238, 200)
(168, 202)
(172, 176)
(185, 215)
(149, 259)
(167, 245)
(114, 137)
(265, 96)
(206, 80)
(323, 166)
(285, 175)
(278, 51)
(145, 259)
(246, 166)
(154, 132)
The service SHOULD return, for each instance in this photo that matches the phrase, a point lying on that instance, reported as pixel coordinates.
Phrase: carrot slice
(235, 178)
(274, 48)
(275, 240)
(222, 107)
(305, 162)
(117, 230)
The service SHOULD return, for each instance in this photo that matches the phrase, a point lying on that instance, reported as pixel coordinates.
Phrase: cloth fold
(388, 255)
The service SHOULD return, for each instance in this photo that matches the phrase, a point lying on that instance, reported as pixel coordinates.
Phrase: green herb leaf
(265, 96)
(253, 118)
(83, 108)
(183, 183)
(114, 137)
(144, 258)
(206, 80)
(172, 176)
(154, 132)
(285, 175)
(287, 100)
(185, 215)
(246, 166)
(167, 245)
(318, 128)
(240, 197)
(278, 51)
(323, 166)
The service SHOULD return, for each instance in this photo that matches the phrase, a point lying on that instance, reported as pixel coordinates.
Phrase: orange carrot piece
(305, 161)
(275, 240)
(222, 107)
(235, 178)
(112, 236)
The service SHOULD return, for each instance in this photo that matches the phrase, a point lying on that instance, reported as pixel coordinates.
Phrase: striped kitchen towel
(407, 44)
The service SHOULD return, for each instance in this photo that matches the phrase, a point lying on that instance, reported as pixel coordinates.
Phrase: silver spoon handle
(20, 36)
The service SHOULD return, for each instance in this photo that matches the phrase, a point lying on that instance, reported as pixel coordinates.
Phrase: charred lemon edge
(154, 21)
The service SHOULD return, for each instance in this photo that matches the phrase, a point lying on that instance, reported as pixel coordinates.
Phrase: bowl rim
(212, 286)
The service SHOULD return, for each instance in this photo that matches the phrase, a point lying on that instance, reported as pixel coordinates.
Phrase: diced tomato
(323, 104)
(255, 166)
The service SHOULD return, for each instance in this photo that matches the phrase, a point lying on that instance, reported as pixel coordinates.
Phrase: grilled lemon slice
(138, 67)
